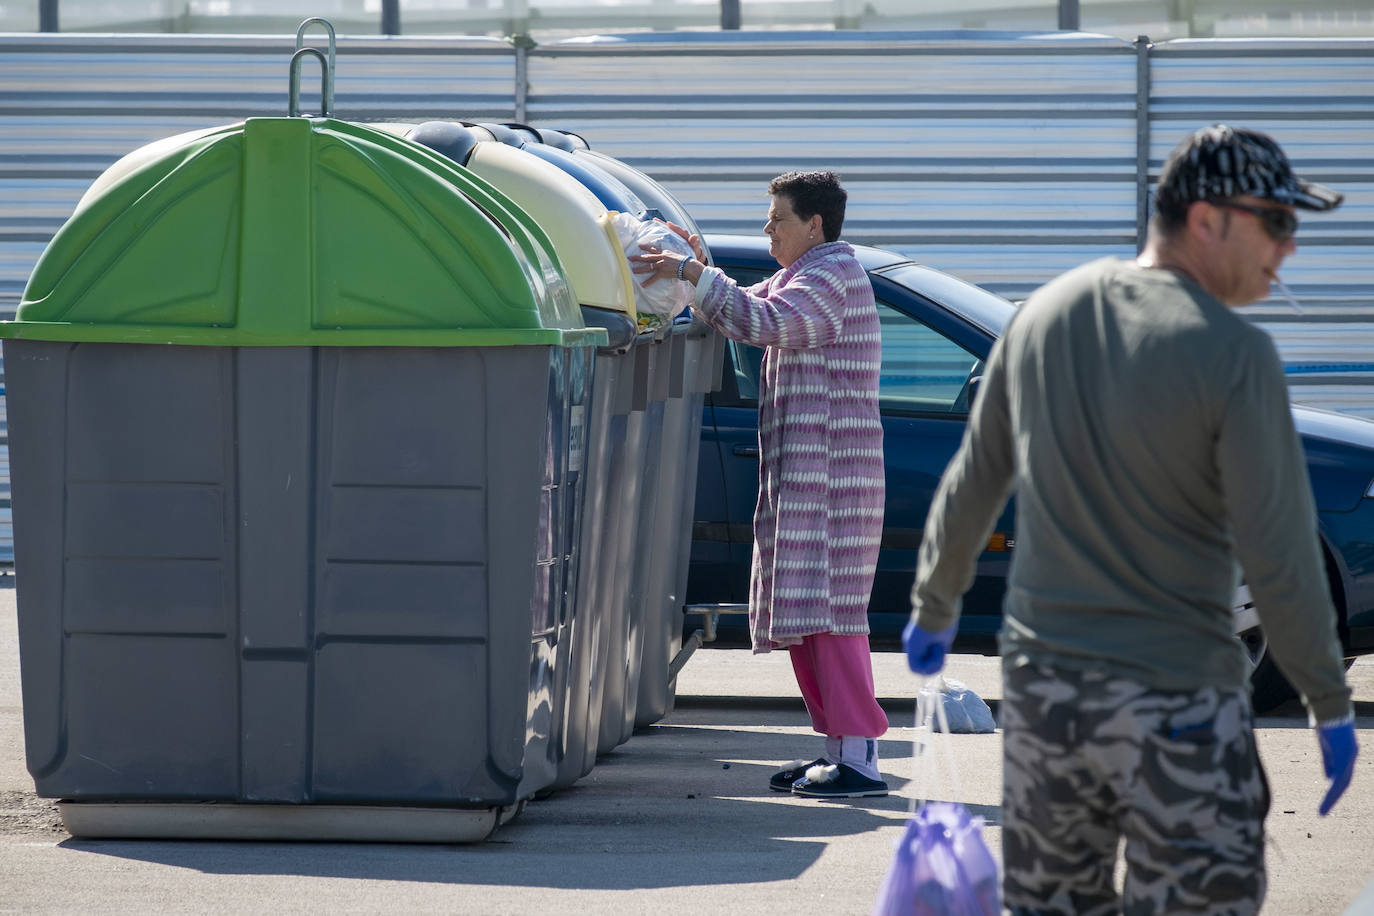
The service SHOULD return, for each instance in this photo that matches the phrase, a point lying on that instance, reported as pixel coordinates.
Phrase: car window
(747, 360)
(922, 371)
(748, 363)
(974, 304)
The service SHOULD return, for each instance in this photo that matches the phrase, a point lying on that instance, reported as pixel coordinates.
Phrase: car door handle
(745, 451)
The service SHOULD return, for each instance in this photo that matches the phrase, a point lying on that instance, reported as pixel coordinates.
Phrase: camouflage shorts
(1091, 760)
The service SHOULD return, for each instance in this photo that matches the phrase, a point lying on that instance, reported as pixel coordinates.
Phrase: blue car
(937, 332)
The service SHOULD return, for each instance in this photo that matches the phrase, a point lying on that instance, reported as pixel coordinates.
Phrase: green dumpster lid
(296, 231)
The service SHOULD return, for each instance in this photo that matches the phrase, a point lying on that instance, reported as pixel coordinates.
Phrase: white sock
(860, 754)
(832, 748)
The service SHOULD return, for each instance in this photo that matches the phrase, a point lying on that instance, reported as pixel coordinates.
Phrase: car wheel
(1269, 689)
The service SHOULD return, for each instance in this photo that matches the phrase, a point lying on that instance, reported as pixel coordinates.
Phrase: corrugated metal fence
(1004, 158)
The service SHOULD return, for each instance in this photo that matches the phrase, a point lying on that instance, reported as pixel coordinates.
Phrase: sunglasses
(1279, 224)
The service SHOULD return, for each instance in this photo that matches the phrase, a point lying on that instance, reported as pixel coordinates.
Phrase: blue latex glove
(1339, 750)
(925, 651)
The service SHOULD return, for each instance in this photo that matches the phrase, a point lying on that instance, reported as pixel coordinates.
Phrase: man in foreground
(1145, 430)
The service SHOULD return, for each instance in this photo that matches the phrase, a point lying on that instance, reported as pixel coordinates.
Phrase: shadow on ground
(675, 803)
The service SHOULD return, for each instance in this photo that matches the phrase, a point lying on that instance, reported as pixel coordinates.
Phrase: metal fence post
(1142, 140)
(522, 43)
(729, 15)
(391, 17)
(47, 16)
(1068, 15)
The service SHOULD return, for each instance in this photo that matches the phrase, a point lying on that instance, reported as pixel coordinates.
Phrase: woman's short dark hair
(810, 193)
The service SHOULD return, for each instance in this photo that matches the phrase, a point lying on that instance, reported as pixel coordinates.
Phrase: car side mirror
(973, 385)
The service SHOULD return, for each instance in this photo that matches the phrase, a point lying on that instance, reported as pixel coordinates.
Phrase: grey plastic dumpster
(628, 575)
(694, 345)
(663, 534)
(295, 430)
(669, 540)
(579, 225)
(643, 447)
(639, 474)
(604, 503)
(693, 350)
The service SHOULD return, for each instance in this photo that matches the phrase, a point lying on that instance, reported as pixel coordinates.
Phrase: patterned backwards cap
(1220, 162)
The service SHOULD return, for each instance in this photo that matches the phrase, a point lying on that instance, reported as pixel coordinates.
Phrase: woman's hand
(655, 264)
(694, 240)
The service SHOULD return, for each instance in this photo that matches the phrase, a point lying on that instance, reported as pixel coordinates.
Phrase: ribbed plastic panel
(969, 151)
(1314, 96)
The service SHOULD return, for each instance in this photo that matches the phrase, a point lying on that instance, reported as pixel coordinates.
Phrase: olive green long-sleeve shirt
(1145, 430)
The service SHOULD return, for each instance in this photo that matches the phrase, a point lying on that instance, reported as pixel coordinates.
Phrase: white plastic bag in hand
(664, 299)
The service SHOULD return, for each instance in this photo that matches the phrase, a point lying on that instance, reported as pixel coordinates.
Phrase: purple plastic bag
(942, 867)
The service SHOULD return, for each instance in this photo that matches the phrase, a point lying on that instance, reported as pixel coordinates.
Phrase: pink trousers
(835, 674)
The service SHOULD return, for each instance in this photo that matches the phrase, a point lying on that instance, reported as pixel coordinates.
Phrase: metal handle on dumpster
(327, 93)
(294, 107)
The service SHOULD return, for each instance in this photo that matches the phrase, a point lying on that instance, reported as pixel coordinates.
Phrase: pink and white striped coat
(819, 517)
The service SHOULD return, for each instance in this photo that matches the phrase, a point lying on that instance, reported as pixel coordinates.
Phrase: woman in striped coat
(819, 517)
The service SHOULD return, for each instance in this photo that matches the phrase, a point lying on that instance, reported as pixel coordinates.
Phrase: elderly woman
(819, 516)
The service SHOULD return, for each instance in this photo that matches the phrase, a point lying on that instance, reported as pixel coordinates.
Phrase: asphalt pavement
(677, 820)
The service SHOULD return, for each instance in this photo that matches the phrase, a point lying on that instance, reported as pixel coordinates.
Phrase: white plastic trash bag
(663, 299)
(966, 711)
